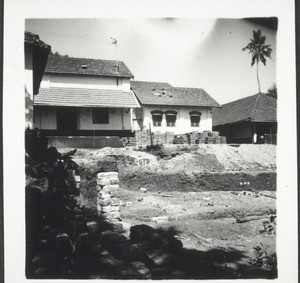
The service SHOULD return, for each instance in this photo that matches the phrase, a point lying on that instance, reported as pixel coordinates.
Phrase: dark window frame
(195, 114)
(169, 114)
(156, 113)
(100, 116)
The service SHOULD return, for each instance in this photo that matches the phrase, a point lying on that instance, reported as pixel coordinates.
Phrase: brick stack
(169, 137)
(192, 138)
(180, 139)
(128, 141)
(223, 140)
(217, 140)
(142, 138)
(108, 202)
(158, 138)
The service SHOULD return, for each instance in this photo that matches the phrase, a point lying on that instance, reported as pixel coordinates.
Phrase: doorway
(66, 119)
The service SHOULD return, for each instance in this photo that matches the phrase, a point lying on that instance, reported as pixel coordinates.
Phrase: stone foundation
(108, 202)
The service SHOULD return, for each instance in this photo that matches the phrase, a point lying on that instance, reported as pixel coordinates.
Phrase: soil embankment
(182, 168)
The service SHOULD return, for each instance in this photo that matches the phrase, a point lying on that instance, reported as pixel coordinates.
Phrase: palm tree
(259, 51)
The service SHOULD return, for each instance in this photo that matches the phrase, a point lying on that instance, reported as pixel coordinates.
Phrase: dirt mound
(189, 162)
(243, 157)
(180, 167)
(201, 158)
(180, 181)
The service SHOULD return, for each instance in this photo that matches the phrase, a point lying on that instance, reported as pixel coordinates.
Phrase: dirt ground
(206, 220)
(240, 217)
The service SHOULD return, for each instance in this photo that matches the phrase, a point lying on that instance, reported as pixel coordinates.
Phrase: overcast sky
(202, 53)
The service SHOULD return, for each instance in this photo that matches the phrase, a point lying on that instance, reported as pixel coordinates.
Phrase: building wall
(28, 88)
(119, 119)
(236, 132)
(46, 119)
(93, 82)
(242, 130)
(183, 122)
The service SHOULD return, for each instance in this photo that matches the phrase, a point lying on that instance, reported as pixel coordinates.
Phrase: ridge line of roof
(65, 64)
(183, 87)
(93, 75)
(152, 82)
(71, 57)
(84, 88)
(239, 99)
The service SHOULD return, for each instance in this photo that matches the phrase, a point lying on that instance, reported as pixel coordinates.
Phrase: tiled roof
(155, 93)
(34, 39)
(82, 97)
(255, 108)
(80, 66)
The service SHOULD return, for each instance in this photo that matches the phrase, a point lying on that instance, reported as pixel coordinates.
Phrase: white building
(84, 97)
(172, 109)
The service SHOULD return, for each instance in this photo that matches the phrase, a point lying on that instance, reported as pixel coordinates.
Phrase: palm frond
(254, 59)
(263, 59)
(262, 40)
(258, 49)
(267, 53)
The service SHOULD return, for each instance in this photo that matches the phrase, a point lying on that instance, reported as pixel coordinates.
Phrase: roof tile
(161, 93)
(33, 39)
(81, 66)
(256, 108)
(82, 97)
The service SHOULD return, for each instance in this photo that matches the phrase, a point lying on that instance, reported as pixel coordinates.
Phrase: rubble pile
(269, 226)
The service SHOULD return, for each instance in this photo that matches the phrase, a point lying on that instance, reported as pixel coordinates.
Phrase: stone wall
(108, 202)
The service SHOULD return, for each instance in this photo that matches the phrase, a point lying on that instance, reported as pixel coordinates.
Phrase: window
(171, 118)
(195, 121)
(195, 118)
(100, 116)
(156, 118)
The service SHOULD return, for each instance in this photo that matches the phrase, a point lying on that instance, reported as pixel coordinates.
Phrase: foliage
(57, 54)
(272, 91)
(259, 50)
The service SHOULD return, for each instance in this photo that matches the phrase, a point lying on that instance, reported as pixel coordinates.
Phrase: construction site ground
(161, 187)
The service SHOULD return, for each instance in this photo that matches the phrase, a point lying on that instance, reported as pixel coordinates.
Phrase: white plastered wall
(119, 119)
(92, 82)
(45, 118)
(183, 122)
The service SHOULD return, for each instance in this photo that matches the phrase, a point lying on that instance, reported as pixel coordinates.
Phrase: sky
(185, 52)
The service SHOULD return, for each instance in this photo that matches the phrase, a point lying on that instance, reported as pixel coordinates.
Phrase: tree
(272, 91)
(57, 54)
(259, 51)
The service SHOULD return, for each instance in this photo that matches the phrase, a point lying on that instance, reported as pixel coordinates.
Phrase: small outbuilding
(252, 119)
